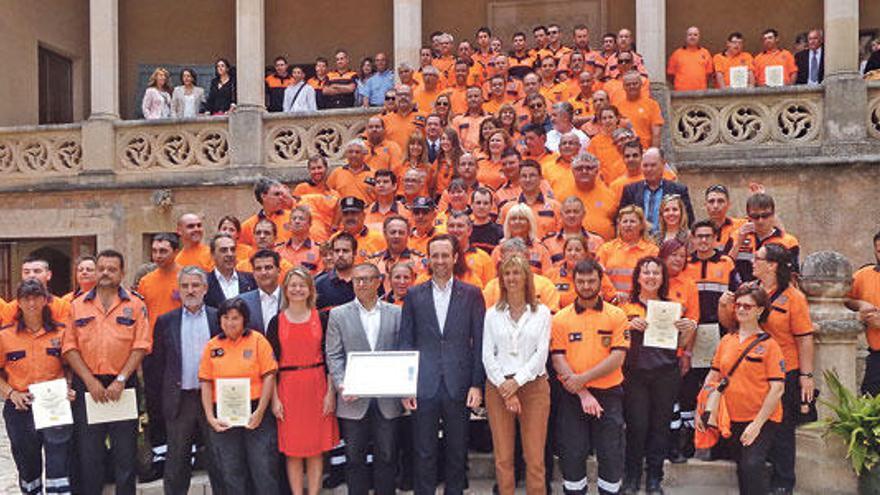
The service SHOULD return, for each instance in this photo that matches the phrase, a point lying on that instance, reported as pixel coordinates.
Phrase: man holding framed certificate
(365, 325)
(106, 339)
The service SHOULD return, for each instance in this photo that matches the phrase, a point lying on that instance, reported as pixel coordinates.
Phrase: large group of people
(515, 233)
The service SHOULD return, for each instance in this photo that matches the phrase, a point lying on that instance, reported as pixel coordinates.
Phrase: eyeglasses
(536, 105)
(441, 104)
(745, 306)
(390, 98)
(760, 216)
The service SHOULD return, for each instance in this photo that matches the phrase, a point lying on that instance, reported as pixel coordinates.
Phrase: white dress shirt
(194, 335)
(269, 305)
(371, 320)
(229, 286)
(441, 301)
(517, 348)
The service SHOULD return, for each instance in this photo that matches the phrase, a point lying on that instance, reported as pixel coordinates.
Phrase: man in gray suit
(365, 324)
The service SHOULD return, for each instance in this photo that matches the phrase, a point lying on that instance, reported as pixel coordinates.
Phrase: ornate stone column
(407, 31)
(246, 122)
(844, 88)
(826, 280)
(98, 137)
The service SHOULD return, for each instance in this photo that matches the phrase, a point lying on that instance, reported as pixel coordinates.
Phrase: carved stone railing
(729, 122)
(291, 140)
(873, 113)
(40, 151)
(172, 144)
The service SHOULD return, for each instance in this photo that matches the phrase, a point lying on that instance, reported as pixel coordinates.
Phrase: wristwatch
(808, 375)
(121, 378)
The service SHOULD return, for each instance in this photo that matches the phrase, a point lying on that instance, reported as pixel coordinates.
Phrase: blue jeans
(27, 450)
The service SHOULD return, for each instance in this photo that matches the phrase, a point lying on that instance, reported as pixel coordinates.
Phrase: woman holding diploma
(30, 353)
(651, 375)
(516, 339)
(305, 400)
(754, 390)
(248, 455)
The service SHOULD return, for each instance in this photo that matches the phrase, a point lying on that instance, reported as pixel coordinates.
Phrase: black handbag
(807, 412)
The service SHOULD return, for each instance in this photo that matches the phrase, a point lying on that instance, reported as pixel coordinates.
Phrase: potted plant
(855, 419)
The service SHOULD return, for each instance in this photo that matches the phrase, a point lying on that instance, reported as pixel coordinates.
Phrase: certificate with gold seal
(661, 317)
(233, 400)
(50, 406)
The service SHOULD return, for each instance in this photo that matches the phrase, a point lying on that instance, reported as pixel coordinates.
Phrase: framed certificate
(661, 318)
(233, 400)
(705, 343)
(50, 406)
(124, 409)
(381, 374)
(774, 75)
(739, 77)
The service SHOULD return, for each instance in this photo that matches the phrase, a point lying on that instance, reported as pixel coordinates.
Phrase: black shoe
(781, 491)
(336, 478)
(156, 471)
(652, 487)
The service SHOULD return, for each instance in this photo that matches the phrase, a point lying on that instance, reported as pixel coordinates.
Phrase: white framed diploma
(661, 317)
(50, 406)
(381, 374)
(124, 409)
(739, 77)
(233, 400)
(705, 344)
(774, 75)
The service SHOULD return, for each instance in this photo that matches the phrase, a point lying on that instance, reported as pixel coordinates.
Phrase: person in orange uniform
(642, 112)
(386, 204)
(788, 321)
(625, 44)
(582, 100)
(317, 181)
(425, 225)
(267, 238)
(550, 89)
(247, 456)
(37, 268)
(160, 293)
(30, 353)
(558, 173)
(107, 336)
(300, 250)
(733, 56)
(544, 289)
(594, 62)
(468, 123)
(546, 211)
(85, 279)
(275, 203)
(521, 61)
(426, 59)
(354, 178)
(864, 297)
(520, 222)
(396, 230)
(717, 200)
(424, 95)
(614, 87)
(603, 147)
(405, 120)
(773, 57)
(495, 95)
(690, 67)
(572, 226)
(598, 200)
(574, 250)
(481, 268)
(513, 87)
(384, 154)
(445, 61)
(231, 226)
(761, 229)
(753, 391)
(619, 255)
(369, 241)
(319, 81)
(341, 86)
(588, 346)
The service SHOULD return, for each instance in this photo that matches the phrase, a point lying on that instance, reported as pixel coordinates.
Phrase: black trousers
(648, 399)
(156, 431)
(871, 382)
(750, 461)
(184, 430)
(426, 421)
(248, 459)
(27, 445)
(578, 434)
(783, 452)
(379, 432)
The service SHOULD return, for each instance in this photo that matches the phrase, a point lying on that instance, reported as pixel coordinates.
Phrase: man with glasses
(405, 120)
(555, 48)
(733, 56)
(614, 86)
(624, 43)
(762, 228)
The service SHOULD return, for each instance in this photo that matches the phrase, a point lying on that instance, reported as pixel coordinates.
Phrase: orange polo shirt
(643, 114)
(398, 128)
(30, 357)
(611, 164)
(750, 384)
(384, 156)
(776, 57)
(468, 129)
(787, 320)
(600, 205)
(200, 255)
(160, 291)
(690, 68)
(586, 336)
(306, 254)
(347, 182)
(279, 218)
(866, 287)
(723, 63)
(489, 174)
(249, 356)
(619, 260)
(424, 99)
(563, 276)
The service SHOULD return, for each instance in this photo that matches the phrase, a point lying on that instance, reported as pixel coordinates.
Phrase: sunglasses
(536, 105)
(390, 98)
(441, 104)
(760, 216)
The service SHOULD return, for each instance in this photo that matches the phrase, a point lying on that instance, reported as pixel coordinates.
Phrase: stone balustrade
(172, 144)
(291, 140)
(35, 152)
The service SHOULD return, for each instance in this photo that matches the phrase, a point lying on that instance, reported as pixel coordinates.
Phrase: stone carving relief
(43, 153)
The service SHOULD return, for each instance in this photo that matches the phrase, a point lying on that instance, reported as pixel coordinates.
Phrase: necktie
(432, 152)
(814, 67)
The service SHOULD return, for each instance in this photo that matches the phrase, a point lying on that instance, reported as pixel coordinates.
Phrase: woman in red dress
(304, 401)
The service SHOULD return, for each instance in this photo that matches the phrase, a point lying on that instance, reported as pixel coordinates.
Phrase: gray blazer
(345, 334)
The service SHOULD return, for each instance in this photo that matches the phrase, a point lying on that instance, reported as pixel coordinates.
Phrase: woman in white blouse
(516, 339)
(188, 98)
(157, 98)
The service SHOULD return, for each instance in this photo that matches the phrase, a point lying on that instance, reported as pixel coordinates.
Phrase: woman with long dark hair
(221, 95)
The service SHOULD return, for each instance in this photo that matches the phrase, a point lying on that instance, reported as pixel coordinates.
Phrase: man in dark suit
(648, 193)
(225, 282)
(179, 339)
(263, 302)
(443, 320)
(811, 62)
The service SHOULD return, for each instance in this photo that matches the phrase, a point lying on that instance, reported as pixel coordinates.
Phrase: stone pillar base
(845, 92)
(246, 136)
(99, 146)
(822, 466)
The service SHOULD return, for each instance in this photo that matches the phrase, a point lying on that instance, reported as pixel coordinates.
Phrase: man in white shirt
(562, 116)
(263, 302)
(299, 97)
(225, 282)
(364, 325)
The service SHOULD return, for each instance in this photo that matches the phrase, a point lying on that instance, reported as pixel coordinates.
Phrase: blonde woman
(520, 223)
(619, 255)
(673, 220)
(157, 98)
(516, 339)
(305, 400)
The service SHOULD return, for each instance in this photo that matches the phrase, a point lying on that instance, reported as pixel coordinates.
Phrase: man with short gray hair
(354, 178)
(562, 117)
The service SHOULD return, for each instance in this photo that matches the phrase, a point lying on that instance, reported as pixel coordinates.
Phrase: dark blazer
(215, 294)
(634, 194)
(802, 60)
(456, 354)
(165, 359)
(252, 300)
